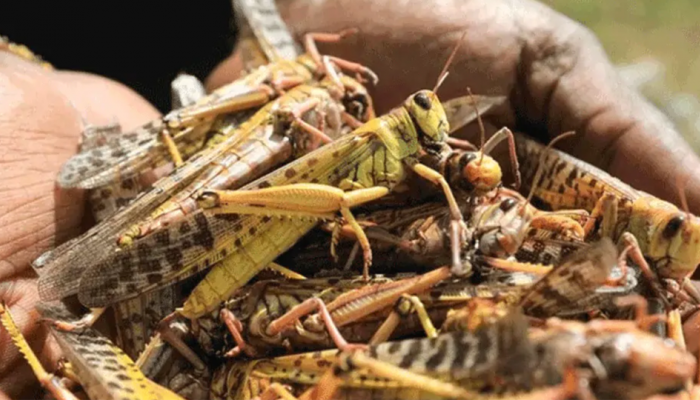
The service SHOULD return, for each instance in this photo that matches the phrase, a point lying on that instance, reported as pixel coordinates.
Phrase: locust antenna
(538, 173)
(482, 131)
(680, 186)
(444, 73)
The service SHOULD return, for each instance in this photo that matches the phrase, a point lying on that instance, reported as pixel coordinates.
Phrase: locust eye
(422, 100)
(507, 204)
(673, 226)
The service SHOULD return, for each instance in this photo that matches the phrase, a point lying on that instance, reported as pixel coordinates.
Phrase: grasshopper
(259, 144)
(258, 317)
(103, 370)
(182, 132)
(498, 226)
(367, 163)
(322, 105)
(610, 359)
(665, 239)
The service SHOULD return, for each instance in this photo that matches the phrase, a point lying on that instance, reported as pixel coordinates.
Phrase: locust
(666, 240)
(102, 369)
(378, 153)
(604, 359)
(322, 313)
(181, 133)
(259, 319)
(324, 106)
(269, 138)
(498, 226)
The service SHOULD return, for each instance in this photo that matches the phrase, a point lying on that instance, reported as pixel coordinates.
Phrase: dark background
(141, 44)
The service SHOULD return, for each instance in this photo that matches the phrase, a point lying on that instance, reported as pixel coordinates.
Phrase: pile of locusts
(285, 256)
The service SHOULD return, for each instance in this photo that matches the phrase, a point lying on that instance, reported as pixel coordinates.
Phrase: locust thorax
(429, 118)
(668, 237)
(473, 172)
(638, 364)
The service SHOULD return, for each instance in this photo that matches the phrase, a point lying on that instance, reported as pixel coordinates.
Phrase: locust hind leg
(49, 381)
(298, 200)
(307, 307)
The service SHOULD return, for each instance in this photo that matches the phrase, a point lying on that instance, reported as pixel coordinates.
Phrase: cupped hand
(553, 70)
(41, 116)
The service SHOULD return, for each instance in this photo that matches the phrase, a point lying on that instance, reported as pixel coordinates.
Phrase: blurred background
(657, 47)
(655, 43)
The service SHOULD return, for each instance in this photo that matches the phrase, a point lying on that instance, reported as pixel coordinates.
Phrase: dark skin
(553, 70)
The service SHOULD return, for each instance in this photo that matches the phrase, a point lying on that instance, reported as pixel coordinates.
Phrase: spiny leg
(642, 318)
(298, 110)
(49, 381)
(286, 272)
(302, 200)
(362, 73)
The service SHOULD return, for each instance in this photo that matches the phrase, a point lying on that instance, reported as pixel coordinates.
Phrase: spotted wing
(105, 372)
(569, 286)
(567, 182)
(58, 268)
(131, 154)
(203, 239)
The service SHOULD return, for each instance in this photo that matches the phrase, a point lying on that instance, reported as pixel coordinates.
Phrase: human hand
(41, 114)
(554, 72)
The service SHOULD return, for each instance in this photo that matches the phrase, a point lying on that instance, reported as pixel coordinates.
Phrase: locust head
(429, 119)
(668, 237)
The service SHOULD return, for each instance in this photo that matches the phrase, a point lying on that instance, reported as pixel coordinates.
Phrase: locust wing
(203, 239)
(571, 287)
(105, 372)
